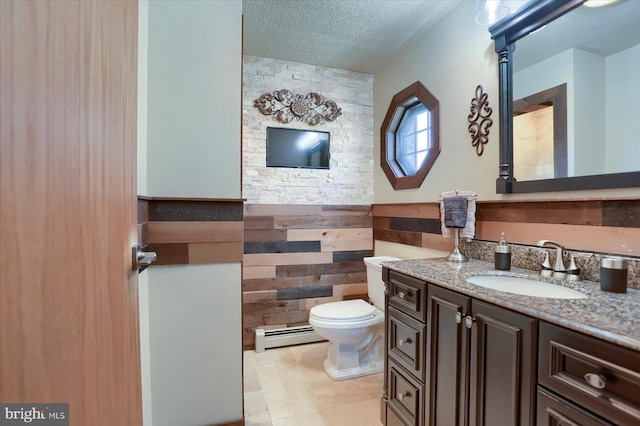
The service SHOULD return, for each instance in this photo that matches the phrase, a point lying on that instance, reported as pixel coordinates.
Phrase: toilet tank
(374, 278)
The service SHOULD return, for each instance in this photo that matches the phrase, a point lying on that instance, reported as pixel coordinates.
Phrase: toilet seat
(345, 314)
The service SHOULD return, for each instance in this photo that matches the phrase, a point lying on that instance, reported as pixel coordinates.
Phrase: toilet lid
(351, 310)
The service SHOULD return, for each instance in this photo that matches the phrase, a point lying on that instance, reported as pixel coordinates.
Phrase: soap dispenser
(502, 255)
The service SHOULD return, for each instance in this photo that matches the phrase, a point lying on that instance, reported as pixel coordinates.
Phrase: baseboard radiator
(278, 337)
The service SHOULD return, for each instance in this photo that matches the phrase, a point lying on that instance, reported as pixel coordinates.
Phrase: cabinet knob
(458, 317)
(469, 321)
(403, 342)
(595, 380)
(401, 396)
(403, 295)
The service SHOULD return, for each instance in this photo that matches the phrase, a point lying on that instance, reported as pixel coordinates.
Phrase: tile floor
(288, 387)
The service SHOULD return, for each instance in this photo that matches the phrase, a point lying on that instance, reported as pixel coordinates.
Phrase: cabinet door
(502, 367)
(448, 345)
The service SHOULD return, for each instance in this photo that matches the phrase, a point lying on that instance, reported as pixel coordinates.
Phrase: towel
(469, 230)
(455, 212)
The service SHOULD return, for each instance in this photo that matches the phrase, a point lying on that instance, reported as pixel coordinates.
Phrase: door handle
(142, 259)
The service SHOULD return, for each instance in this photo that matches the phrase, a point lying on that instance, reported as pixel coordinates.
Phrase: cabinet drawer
(600, 376)
(405, 342)
(408, 294)
(406, 395)
(393, 419)
(555, 411)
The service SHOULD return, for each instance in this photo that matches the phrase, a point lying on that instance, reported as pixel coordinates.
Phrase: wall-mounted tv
(297, 148)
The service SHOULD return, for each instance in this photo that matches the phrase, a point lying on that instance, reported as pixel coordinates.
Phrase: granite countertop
(608, 316)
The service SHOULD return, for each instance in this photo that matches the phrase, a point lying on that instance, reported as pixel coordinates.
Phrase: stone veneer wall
(588, 228)
(349, 181)
(306, 231)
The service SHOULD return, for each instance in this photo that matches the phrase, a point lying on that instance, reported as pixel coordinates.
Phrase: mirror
(569, 96)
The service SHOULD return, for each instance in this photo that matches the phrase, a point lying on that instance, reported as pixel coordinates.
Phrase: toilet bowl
(354, 328)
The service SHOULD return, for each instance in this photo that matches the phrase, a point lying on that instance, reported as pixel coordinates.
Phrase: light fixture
(598, 3)
(489, 12)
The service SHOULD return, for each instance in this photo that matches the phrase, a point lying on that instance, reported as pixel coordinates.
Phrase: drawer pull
(595, 380)
(401, 396)
(403, 342)
(403, 295)
(458, 317)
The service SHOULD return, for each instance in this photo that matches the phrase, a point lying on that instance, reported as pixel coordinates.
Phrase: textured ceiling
(364, 35)
(356, 35)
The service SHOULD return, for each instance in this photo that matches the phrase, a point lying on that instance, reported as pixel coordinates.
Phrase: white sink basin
(525, 286)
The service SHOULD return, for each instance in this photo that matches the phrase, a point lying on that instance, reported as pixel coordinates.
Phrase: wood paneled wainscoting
(298, 256)
(190, 231)
(598, 225)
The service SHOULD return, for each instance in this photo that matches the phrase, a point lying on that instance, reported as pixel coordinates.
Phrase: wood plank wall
(604, 226)
(191, 231)
(297, 256)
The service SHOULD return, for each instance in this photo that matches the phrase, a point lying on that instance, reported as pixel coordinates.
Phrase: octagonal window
(410, 137)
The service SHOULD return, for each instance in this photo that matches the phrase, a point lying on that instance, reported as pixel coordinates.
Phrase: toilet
(354, 328)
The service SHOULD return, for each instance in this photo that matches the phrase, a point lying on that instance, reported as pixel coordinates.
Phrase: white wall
(194, 98)
(589, 113)
(584, 74)
(195, 361)
(191, 324)
(350, 177)
(535, 79)
(623, 113)
(450, 60)
(143, 45)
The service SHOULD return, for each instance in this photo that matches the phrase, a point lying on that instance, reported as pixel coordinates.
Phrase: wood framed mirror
(556, 39)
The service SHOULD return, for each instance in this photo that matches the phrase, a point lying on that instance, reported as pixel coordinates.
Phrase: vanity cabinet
(481, 362)
(406, 349)
(453, 360)
(584, 380)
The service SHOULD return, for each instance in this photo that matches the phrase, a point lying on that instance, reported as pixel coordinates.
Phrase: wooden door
(69, 328)
(502, 367)
(448, 357)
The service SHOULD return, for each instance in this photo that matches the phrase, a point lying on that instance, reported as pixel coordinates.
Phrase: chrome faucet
(559, 270)
(559, 266)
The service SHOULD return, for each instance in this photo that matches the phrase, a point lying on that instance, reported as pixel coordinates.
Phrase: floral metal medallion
(286, 106)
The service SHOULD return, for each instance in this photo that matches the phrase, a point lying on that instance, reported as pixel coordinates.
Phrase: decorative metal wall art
(285, 106)
(479, 120)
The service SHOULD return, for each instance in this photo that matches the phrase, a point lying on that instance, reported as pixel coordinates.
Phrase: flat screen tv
(297, 148)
